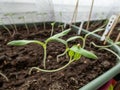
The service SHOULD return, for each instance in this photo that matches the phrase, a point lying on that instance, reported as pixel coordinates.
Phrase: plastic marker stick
(108, 27)
(80, 28)
(112, 28)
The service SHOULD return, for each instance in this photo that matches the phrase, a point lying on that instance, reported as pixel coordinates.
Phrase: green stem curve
(44, 70)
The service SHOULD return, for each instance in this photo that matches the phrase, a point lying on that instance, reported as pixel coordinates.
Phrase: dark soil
(15, 63)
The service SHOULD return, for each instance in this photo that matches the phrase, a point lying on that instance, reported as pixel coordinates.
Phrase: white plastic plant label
(108, 27)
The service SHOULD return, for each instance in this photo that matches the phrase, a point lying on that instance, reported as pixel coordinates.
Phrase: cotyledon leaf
(74, 37)
(23, 42)
(59, 40)
(63, 33)
(83, 52)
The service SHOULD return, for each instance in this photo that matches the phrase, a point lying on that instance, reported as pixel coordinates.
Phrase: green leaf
(75, 48)
(63, 33)
(59, 40)
(88, 54)
(77, 56)
(71, 53)
(52, 24)
(56, 36)
(83, 52)
(118, 43)
(23, 42)
(73, 38)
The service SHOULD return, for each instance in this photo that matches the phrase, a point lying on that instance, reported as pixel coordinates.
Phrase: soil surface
(15, 63)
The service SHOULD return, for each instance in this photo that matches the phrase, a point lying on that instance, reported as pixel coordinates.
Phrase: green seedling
(61, 15)
(78, 37)
(43, 44)
(111, 43)
(53, 25)
(106, 48)
(61, 26)
(26, 26)
(74, 53)
(10, 22)
(6, 28)
(67, 48)
(44, 23)
(35, 26)
(11, 15)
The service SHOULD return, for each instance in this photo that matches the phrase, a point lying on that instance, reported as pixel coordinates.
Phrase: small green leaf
(56, 36)
(73, 38)
(77, 56)
(75, 48)
(58, 40)
(83, 52)
(118, 43)
(63, 33)
(52, 24)
(24, 42)
(88, 54)
(71, 53)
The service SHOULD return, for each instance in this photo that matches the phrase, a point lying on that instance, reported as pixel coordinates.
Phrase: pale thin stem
(52, 30)
(104, 24)
(60, 55)
(97, 30)
(26, 26)
(44, 25)
(35, 26)
(8, 30)
(62, 27)
(55, 70)
(15, 27)
(45, 55)
(11, 25)
(4, 76)
(112, 52)
(44, 45)
(101, 46)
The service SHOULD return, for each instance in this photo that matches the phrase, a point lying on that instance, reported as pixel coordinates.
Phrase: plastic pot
(105, 77)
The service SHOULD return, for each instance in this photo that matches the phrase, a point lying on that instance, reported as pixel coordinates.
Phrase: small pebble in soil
(106, 64)
(73, 81)
(85, 62)
(49, 57)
